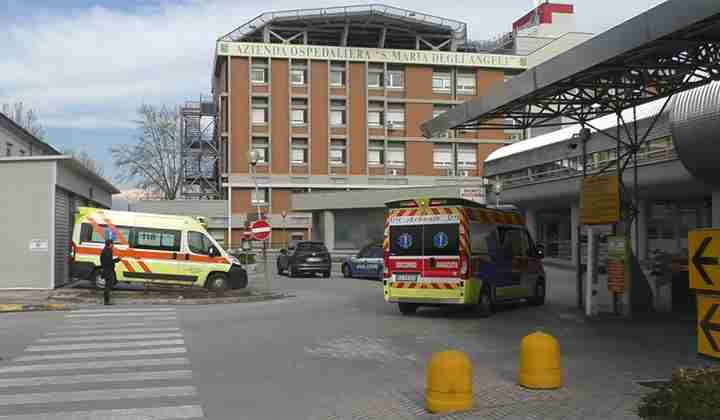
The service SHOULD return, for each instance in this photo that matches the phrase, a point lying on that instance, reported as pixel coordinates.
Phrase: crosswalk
(103, 364)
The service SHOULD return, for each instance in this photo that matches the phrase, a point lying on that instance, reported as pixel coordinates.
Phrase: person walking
(107, 262)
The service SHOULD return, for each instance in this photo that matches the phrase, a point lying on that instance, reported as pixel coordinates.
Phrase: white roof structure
(644, 111)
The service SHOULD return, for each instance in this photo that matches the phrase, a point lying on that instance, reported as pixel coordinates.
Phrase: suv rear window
(311, 246)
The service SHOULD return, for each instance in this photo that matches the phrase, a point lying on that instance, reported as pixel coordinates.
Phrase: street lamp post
(284, 215)
(253, 158)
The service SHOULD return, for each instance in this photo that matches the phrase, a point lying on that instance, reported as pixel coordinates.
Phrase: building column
(328, 221)
(574, 234)
(715, 210)
(531, 223)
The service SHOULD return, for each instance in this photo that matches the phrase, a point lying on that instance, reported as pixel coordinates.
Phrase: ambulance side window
(514, 243)
(483, 239)
(199, 243)
(157, 239)
(88, 234)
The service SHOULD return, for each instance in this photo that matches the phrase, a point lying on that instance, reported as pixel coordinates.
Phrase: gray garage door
(62, 235)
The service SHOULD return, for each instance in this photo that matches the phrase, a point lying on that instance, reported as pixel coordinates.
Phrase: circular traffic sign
(260, 230)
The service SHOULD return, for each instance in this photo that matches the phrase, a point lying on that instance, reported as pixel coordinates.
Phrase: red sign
(260, 230)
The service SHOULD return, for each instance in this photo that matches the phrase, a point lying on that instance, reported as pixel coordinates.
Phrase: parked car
(305, 257)
(368, 263)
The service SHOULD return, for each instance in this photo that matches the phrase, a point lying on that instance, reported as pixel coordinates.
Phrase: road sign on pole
(708, 329)
(260, 230)
(704, 267)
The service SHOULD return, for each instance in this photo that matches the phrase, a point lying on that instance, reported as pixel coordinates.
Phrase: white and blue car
(367, 263)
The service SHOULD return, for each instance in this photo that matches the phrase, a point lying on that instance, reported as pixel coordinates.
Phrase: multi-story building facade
(332, 99)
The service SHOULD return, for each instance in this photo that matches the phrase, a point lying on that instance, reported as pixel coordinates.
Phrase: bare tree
(86, 160)
(154, 162)
(26, 118)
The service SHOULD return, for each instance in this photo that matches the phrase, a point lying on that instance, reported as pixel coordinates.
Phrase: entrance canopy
(672, 47)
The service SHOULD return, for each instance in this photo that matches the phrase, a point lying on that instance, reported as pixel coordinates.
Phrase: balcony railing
(645, 157)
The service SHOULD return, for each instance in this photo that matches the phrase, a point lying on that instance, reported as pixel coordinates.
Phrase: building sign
(617, 258)
(38, 245)
(380, 55)
(600, 200)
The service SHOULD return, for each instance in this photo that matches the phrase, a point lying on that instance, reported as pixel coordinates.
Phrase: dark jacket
(107, 262)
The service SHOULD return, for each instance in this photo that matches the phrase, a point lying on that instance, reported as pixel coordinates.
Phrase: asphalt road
(335, 350)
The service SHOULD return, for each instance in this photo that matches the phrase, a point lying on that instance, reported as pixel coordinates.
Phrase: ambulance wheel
(539, 297)
(217, 282)
(94, 276)
(484, 307)
(407, 308)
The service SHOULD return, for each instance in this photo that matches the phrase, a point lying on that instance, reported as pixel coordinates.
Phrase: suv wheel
(326, 274)
(279, 269)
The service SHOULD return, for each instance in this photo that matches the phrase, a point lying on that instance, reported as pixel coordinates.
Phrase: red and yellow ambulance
(450, 251)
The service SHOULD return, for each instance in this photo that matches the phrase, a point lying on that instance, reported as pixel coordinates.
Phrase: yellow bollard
(540, 362)
(449, 382)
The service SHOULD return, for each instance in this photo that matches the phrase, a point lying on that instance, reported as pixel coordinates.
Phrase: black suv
(305, 257)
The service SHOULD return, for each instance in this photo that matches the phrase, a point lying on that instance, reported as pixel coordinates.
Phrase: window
(466, 83)
(396, 117)
(337, 113)
(441, 81)
(467, 156)
(514, 243)
(299, 111)
(438, 110)
(338, 152)
(297, 76)
(442, 155)
(88, 234)
(199, 243)
(299, 151)
(8, 149)
(483, 239)
(375, 76)
(396, 79)
(260, 110)
(396, 153)
(22, 153)
(157, 239)
(376, 152)
(375, 118)
(337, 75)
(258, 74)
(259, 197)
(441, 239)
(261, 146)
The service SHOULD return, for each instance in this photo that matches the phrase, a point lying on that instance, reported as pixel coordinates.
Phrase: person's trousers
(110, 281)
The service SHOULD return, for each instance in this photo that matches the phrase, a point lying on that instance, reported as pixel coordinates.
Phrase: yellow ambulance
(450, 251)
(153, 248)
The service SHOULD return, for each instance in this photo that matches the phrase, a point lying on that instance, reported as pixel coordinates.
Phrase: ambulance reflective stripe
(119, 235)
(437, 286)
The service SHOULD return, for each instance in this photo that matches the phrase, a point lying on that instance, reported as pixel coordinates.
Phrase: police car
(367, 263)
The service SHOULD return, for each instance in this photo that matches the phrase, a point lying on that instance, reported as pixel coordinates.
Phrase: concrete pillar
(574, 237)
(531, 223)
(328, 221)
(641, 224)
(715, 209)
(591, 275)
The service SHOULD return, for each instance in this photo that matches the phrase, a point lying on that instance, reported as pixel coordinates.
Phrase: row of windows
(9, 150)
(377, 77)
(391, 153)
(377, 116)
(594, 160)
(148, 238)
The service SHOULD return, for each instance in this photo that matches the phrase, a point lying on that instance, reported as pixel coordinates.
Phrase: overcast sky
(86, 65)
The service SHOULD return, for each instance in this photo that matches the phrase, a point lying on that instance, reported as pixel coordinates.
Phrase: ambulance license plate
(406, 277)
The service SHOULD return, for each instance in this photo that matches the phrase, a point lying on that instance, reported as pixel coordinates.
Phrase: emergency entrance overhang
(672, 47)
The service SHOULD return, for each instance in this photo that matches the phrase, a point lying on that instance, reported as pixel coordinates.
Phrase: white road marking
(119, 323)
(101, 337)
(117, 314)
(105, 364)
(97, 395)
(103, 354)
(89, 346)
(95, 378)
(103, 330)
(156, 413)
(90, 311)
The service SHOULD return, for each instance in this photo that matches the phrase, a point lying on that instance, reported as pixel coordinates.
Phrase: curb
(18, 307)
(216, 301)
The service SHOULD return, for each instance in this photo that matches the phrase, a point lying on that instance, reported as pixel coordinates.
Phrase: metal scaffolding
(199, 151)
